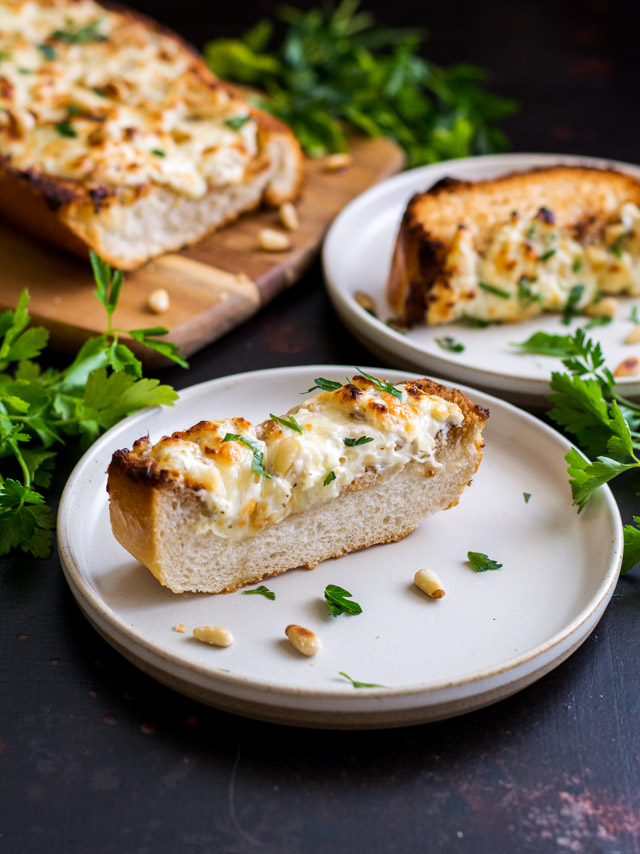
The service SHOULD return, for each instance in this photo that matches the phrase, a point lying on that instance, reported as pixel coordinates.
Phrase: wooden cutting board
(213, 286)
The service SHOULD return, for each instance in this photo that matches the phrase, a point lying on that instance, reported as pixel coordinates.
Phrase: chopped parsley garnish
(481, 563)
(258, 455)
(477, 322)
(635, 315)
(25, 71)
(577, 265)
(4, 55)
(158, 152)
(361, 440)
(324, 385)
(530, 232)
(572, 309)
(331, 476)
(339, 601)
(525, 294)
(544, 344)
(380, 385)
(449, 343)
(236, 122)
(548, 254)
(598, 320)
(88, 33)
(616, 246)
(492, 289)
(47, 51)
(527, 496)
(65, 128)
(357, 684)
(260, 591)
(289, 422)
(392, 323)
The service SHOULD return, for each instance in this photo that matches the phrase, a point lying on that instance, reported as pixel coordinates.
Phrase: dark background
(96, 757)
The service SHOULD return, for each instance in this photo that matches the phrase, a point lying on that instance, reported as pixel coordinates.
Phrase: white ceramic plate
(357, 255)
(491, 635)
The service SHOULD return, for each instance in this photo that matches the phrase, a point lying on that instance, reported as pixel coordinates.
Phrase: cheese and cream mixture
(99, 98)
(268, 472)
(531, 265)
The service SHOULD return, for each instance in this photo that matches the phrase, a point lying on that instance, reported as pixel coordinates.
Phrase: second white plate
(492, 634)
(357, 256)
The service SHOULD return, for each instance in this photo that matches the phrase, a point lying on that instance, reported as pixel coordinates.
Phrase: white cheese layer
(530, 265)
(304, 468)
(93, 96)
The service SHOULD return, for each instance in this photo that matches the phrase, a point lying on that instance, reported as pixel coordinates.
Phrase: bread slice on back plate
(512, 247)
(226, 504)
(115, 136)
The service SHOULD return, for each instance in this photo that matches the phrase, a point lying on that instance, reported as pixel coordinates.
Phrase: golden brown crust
(582, 199)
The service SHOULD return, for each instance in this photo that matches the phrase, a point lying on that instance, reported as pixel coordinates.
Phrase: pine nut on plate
(271, 240)
(289, 216)
(304, 640)
(158, 301)
(214, 635)
(429, 583)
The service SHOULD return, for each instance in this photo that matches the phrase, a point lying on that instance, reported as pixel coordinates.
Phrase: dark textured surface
(96, 757)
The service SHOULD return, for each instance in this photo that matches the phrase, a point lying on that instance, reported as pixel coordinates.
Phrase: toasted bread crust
(582, 199)
(78, 216)
(140, 498)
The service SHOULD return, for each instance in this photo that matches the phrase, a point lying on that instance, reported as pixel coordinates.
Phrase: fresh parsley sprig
(339, 601)
(357, 684)
(335, 65)
(258, 454)
(42, 410)
(361, 440)
(260, 591)
(481, 562)
(289, 422)
(324, 385)
(381, 385)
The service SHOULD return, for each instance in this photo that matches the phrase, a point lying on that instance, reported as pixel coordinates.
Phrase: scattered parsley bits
(577, 265)
(544, 344)
(324, 385)
(526, 496)
(481, 563)
(158, 152)
(449, 343)
(338, 600)
(236, 122)
(88, 33)
(357, 684)
(571, 309)
(525, 293)
(599, 320)
(492, 289)
(47, 51)
(331, 476)
(635, 315)
(477, 322)
(65, 128)
(380, 385)
(616, 247)
(530, 232)
(548, 254)
(258, 454)
(260, 591)
(361, 440)
(289, 422)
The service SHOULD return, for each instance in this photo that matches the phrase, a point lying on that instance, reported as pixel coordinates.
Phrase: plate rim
(369, 329)
(81, 585)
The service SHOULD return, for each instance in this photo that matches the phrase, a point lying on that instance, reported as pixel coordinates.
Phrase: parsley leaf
(330, 476)
(548, 254)
(527, 496)
(492, 289)
(338, 601)
(634, 316)
(357, 684)
(260, 591)
(481, 563)
(616, 246)
(236, 122)
(450, 343)
(631, 546)
(380, 385)
(258, 454)
(598, 320)
(289, 421)
(544, 344)
(572, 308)
(89, 33)
(324, 385)
(361, 440)
(65, 128)
(525, 293)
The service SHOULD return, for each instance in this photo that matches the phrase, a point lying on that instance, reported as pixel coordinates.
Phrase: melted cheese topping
(531, 265)
(304, 468)
(93, 96)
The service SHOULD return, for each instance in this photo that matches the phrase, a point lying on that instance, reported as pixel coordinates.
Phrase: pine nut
(628, 368)
(288, 450)
(179, 627)
(337, 162)
(215, 635)
(271, 240)
(429, 583)
(289, 216)
(605, 307)
(634, 336)
(158, 301)
(304, 640)
(366, 302)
